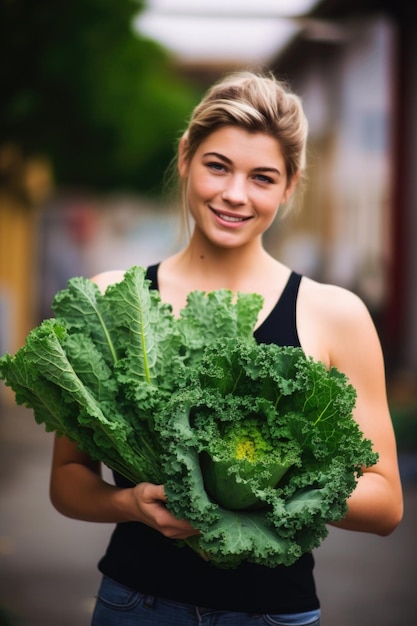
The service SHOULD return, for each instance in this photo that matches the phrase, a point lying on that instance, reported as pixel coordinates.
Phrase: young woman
(239, 161)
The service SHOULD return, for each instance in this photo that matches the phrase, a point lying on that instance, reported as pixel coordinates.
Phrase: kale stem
(107, 336)
(323, 412)
(237, 381)
(192, 542)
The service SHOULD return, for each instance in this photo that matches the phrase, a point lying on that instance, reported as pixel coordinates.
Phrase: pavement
(48, 574)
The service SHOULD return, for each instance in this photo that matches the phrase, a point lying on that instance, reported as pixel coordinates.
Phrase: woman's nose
(234, 191)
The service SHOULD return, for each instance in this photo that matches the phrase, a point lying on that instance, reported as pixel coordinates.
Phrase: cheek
(268, 213)
(201, 188)
(270, 217)
(268, 206)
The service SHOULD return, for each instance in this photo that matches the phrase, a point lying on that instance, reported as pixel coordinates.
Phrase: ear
(183, 156)
(292, 184)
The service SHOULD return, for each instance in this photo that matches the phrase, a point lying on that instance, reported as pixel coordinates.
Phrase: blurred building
(355, 65)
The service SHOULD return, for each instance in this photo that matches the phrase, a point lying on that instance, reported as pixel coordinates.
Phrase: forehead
(234, 142)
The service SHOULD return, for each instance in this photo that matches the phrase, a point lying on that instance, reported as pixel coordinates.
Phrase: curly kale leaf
(268, 440)
(208, 316)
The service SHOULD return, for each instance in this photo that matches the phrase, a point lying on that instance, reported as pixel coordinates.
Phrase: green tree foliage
(79, 85)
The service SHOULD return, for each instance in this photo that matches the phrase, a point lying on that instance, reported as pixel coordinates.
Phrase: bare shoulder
(332, 321)
(104, 279)
(332, 301)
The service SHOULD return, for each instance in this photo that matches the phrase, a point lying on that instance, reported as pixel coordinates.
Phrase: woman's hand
(149, 501)
(78, 490)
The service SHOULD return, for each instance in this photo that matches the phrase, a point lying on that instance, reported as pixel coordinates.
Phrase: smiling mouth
(230, 218)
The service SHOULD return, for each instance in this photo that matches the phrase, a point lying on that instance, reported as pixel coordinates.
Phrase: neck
(226, 268)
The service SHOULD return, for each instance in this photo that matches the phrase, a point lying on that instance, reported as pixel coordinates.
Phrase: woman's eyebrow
(274, 170)
(218, 156)
(224, 158)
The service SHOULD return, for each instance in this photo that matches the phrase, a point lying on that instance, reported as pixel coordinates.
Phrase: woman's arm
(376, 505)
(78, 490)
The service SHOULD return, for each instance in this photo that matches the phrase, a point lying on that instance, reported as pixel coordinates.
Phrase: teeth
(228, 218)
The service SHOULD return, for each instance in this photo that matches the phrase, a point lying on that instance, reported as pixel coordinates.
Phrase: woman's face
(235, 183)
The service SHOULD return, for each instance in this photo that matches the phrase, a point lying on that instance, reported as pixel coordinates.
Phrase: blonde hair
(256, 103)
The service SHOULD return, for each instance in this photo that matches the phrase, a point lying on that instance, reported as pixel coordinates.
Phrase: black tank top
(143, 559)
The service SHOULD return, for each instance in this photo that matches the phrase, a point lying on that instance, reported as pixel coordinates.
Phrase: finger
(160, 493)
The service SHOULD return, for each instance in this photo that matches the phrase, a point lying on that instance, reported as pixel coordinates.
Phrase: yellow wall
(17, 267)
(24, 186)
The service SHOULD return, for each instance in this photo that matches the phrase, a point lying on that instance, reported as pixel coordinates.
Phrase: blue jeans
(119, 606)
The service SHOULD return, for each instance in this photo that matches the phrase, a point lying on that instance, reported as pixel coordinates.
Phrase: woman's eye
(263, 178)
(215, 166)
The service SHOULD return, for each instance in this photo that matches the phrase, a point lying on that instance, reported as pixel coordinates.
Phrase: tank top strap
(152, 275)
(280, 326)
(290, 293)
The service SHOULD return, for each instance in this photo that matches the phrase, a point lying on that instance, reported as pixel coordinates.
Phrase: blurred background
(94, 95)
